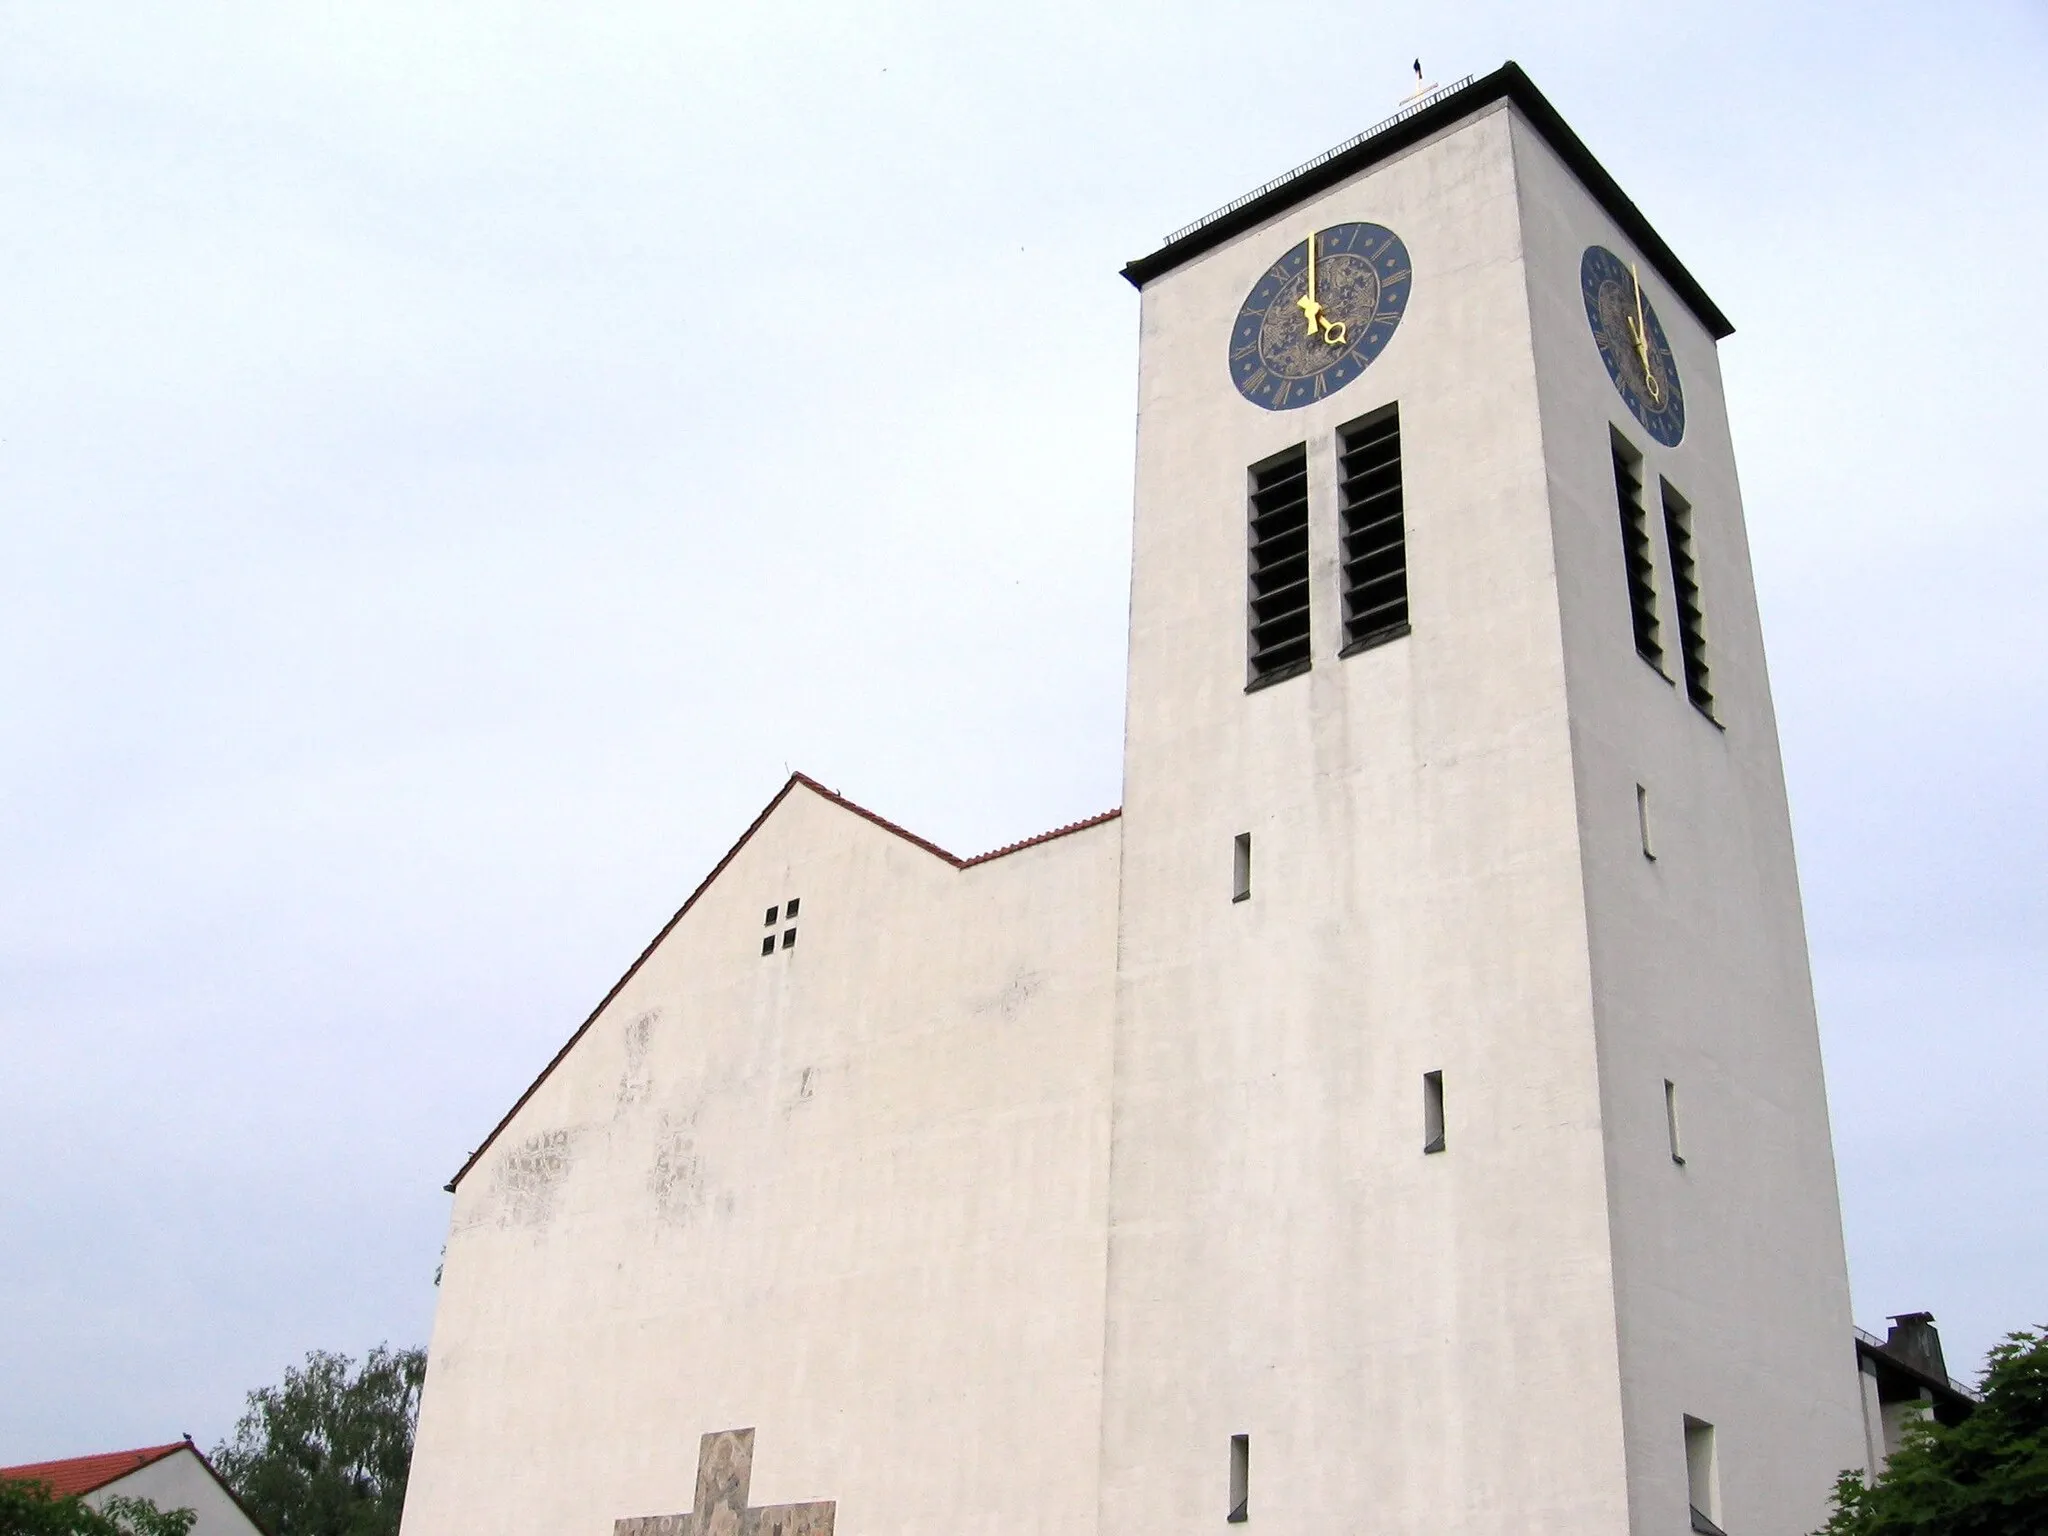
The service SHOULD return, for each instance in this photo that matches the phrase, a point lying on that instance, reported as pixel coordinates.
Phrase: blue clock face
(1319, 316)
(1632, 344)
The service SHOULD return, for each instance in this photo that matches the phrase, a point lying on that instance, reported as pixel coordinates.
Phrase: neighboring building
(1905, 1378)
(1405, 1115)
(174, 1476)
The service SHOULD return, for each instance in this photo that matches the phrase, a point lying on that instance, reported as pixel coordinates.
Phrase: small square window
(1432, 1111)
(769, 920)
(789, 910)
(789, 938)
(768, 945)
(1702, 1477)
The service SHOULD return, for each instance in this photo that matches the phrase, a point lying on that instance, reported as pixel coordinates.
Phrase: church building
(1404, 1115)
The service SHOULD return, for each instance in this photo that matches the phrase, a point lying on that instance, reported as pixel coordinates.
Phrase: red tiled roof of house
(82, 1474)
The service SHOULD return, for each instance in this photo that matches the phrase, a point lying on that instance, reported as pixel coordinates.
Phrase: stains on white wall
(529, 1177)
(676, 1179)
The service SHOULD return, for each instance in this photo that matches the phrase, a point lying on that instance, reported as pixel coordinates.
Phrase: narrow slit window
(1702, 1477)
(1671, 1121)
(1278, 601)
(1374, 531)
(1635, 549)
(1685, 587)
(1643, 821)
(1432, 1112)
(1241, 867)
(1240, 1479)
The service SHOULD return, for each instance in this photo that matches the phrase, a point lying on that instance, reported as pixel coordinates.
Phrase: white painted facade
(1013, 1191)
(851, 1193)
(181, 1480)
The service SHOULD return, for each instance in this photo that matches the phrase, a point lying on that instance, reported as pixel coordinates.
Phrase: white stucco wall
(1449, 877)
(181, 1481)
(851, 1195)
(1412, 1342)
(1731, 1283)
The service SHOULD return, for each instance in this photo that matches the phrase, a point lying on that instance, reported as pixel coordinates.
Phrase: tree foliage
(31, 1509)
(1987, 1476)
(326, 1453)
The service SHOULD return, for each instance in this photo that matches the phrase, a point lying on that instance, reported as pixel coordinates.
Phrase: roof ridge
(931, 847)
(878, 819)
(96, 1470)
(1045, 837)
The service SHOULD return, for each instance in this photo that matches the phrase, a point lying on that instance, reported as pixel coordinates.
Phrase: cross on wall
(725, 1470)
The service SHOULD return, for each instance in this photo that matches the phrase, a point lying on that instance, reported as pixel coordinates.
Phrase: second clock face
(1304, 334)
(1632, 344)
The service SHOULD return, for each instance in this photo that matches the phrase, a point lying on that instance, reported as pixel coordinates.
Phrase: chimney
(1913, 1339)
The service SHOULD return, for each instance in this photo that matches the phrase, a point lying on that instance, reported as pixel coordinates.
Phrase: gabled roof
(83, 1474)
(79, 1475)
(795, 779)
(1508, 83)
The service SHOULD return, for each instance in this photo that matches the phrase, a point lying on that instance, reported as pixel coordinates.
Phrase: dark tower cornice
(1508, 83)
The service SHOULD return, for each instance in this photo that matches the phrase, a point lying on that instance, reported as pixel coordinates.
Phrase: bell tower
(1470, 1168)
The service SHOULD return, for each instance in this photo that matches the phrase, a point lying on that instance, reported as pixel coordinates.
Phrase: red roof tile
(82, 1474)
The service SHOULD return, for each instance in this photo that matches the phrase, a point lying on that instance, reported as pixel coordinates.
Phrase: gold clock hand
(1311, 311)
(1641, 328)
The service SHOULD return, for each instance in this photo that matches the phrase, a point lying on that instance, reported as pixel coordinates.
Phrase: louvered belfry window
(1685, 587)
(1279, 568)
(1375, 532)
(1635, 548)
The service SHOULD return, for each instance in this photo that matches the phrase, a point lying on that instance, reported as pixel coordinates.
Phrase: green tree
(326, 1453)
(31, 1509)
(1987, 1476)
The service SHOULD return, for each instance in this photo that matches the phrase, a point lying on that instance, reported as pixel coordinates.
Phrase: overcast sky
(454, 459)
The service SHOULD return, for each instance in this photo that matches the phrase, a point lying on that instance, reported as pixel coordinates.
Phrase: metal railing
(1883, 1347)
(1324, 158)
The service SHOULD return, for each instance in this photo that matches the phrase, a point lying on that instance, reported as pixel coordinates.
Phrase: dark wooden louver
(1279, 569)
(1685, 584)
(1635, 548)
(1375, 533)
